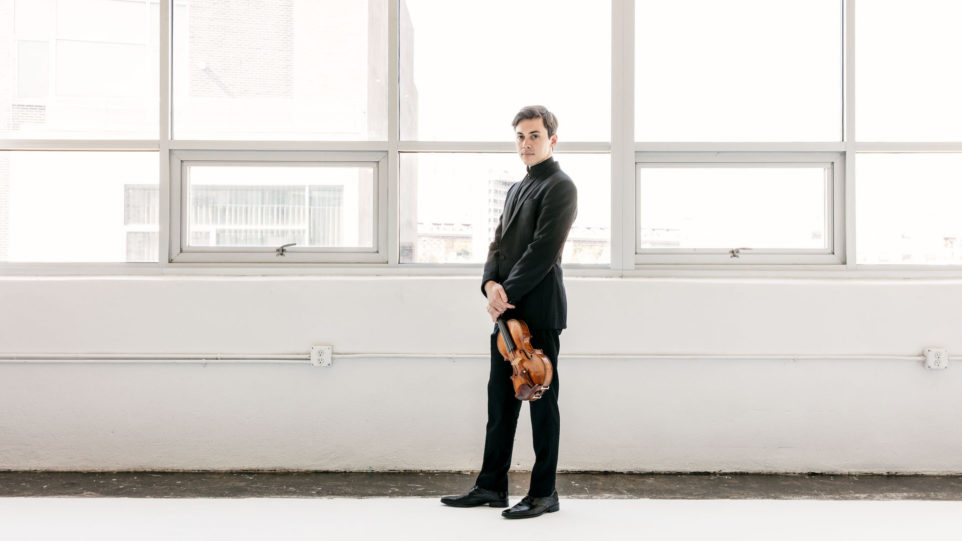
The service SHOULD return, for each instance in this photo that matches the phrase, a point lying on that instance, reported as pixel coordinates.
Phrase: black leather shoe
(530, 507)
(477, 496)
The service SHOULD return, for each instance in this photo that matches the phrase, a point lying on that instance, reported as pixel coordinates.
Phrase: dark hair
(537, 111)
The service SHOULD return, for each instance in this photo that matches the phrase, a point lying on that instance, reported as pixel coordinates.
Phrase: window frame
(182, 252)
(831, 163)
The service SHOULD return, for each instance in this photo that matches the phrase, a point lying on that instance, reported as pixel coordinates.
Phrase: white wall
(639, 414)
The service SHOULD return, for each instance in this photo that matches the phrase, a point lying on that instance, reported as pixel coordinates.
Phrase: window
(304, 207)
(908, 208)
(456, 107)
(83, 69)
(463, 81)
(443, 222)
(908, 116)
(731, 101)
(738, 70)
(288, 70)
(907, 89)
(315, 132)
(76, 206)
(737, 208)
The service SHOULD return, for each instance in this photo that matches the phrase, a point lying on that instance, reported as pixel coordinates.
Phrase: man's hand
(497, 299)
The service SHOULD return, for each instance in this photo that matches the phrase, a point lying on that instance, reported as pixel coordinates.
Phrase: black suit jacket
(525, 256)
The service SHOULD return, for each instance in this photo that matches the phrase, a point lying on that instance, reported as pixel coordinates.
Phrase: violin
(532, 370)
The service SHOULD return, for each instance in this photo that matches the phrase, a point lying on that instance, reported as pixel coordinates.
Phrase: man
(523, 280)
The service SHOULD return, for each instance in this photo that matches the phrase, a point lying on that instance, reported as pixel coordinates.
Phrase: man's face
(534, 145)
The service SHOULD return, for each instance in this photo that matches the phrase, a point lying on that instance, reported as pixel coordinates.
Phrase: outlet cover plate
(936, 358)
(322, 355)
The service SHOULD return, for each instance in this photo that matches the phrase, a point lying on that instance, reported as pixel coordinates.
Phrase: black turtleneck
(542, 169)
(536, 172)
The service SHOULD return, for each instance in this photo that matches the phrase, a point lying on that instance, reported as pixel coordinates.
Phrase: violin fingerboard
(506, 335)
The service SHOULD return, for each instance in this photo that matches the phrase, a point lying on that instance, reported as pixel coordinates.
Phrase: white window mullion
(91, 145)
(498, 146)
(728, 146)
(318, 146)
(908, 146)
(847, 203)
(387, 221)
(175, 208)
(623, 195)
(165, 201)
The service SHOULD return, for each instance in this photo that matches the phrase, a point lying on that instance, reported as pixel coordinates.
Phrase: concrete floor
(335, 506)
(436, 484)
(426, 519)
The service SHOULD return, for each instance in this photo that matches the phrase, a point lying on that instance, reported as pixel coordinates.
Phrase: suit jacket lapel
(523, 194)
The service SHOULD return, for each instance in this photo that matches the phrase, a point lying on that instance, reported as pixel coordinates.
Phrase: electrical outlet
(322, 355)
(936, 358)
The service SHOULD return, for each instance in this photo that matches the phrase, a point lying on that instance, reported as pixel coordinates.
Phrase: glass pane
(738, 70)
(79, 69)
(319, 206)
(33, 70)
(289, 69)
(907, 209)
(451, 205)
(467, 68)
(732, 207)
(78, 206)
(906, 88)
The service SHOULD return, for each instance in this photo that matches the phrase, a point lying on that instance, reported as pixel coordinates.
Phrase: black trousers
(503, 410)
